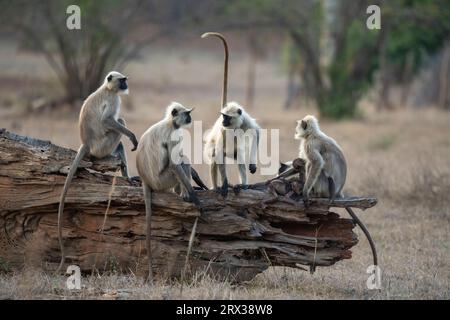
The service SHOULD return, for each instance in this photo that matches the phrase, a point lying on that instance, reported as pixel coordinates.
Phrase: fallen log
(238, 237)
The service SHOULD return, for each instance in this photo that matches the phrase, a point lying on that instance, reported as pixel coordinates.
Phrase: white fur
(152, 157)
(312, 127)
(214, 140)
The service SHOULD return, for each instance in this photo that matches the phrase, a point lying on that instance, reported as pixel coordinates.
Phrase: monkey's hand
(252, 168)
(305, 195)
(192, 197)
(134, 141)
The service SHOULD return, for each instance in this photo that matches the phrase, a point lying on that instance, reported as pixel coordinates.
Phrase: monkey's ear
(303, 124)
(239, 111)
(174, 112)
(109, 78)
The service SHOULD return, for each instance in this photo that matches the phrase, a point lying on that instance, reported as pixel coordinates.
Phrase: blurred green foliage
(337, 81)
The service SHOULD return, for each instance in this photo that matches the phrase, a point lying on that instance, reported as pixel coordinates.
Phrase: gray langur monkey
(233, 118)
(158, 169)
(325, 165)
(100, 131)
(326, 168)
(217, 148)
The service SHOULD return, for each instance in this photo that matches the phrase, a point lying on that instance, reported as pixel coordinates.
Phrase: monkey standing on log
(100, 130)
(234, 118)
(326, 168)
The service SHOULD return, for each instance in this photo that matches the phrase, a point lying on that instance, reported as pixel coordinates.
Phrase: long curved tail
(366, 232)
(148, 218)
(188, 254)
(73, 168)
(225, 66)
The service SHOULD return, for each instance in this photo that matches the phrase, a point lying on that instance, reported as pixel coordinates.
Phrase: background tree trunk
(238, 237)
(443, 78)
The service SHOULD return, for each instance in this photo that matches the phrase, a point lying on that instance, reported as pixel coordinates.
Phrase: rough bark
(239, 236)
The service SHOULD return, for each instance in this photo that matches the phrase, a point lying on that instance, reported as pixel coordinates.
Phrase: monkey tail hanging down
(326, 168)
(162, 165)
(100, 131)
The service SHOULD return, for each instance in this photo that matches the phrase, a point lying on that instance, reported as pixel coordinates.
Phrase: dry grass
(401, 157)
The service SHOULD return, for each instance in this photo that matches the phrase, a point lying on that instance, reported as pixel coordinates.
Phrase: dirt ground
(401, 157)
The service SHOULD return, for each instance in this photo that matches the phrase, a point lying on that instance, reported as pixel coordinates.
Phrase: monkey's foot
(223, 191)
(135, 180)
(191, 197)
(237, 188)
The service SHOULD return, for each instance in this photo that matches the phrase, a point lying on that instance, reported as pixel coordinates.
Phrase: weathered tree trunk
(239, 236)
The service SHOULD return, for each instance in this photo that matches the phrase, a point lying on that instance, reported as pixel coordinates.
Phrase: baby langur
(100, 130)
(326, 168)
(161, 164)
(235, 123)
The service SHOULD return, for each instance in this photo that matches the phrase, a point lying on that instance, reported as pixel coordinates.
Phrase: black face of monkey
(226, 122)
(117, 82)
(188, 117)
(231, 117)
(181, 118)
(123, 83)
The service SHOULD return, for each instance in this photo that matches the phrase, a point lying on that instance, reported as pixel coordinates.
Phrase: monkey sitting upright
(160, 163)
(100, 130)
(325, 167)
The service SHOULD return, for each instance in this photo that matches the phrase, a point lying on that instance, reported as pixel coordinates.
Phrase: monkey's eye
(239, 111)
(174, 112)
(109, 78)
